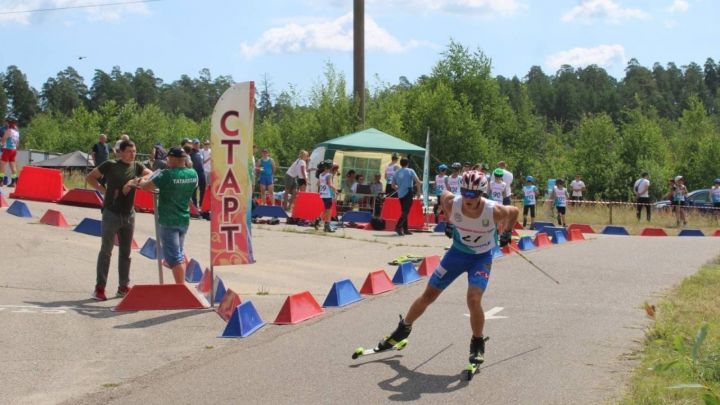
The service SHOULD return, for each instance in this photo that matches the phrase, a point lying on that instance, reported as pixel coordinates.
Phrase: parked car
(697, 199)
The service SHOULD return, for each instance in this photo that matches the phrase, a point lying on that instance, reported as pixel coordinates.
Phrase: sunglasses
(470, 193)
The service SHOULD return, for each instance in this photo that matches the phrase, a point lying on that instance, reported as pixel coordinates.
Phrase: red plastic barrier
(39, 184)
(297, 308)
(575, 235)
(309, 206)
(54, 218)
(428, 265)
(391, 210)
(82, 198)
(584, 228)
(653, 232)
(205, 204)
(542, 240)
(144, 201)
(717, 233)
(507, 250)
(377, 282)
(227, 306)
(160, 296)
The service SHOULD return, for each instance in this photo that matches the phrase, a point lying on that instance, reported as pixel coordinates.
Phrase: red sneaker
(99, 294)
(122, 291)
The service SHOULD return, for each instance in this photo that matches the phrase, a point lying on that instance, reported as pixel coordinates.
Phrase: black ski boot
(477, 350)
(401, 333)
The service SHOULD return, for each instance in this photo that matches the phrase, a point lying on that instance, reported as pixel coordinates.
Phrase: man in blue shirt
(406, 184)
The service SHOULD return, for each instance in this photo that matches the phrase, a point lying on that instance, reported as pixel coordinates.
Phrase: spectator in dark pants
(101, 153)
(642, 187)
(405, 183)
(118, 214)
(198, 164)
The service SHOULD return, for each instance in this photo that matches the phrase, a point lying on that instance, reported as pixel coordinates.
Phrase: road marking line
(490, 314)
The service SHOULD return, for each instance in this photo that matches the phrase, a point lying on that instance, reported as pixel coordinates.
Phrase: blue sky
(291, 41)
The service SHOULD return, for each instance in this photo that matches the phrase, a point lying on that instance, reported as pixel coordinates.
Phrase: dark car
(699, 199)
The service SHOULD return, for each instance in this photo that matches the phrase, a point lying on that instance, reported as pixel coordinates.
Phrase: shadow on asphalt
(409, 385)
(82, 307)
(162, 319)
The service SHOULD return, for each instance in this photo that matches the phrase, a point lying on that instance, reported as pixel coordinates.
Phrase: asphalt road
(550, 344)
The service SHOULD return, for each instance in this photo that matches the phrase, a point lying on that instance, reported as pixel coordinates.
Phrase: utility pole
(359, 59)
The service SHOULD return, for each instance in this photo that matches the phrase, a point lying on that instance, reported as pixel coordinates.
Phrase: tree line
(663, 119)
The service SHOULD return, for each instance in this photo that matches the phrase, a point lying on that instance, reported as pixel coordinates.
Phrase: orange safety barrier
(39, 184)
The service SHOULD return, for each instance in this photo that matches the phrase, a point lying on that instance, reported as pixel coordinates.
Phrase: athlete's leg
(477, 316)
(421, 303)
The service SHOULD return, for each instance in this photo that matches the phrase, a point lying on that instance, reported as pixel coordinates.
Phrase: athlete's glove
(505, 238)
(449, 230)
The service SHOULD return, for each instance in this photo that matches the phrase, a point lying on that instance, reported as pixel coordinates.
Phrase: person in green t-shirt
(118, 214)
(176, 185)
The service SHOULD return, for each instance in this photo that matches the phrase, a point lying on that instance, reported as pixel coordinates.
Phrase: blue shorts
(327, 203)
(172, 239)
(455, 262)
(266, 181)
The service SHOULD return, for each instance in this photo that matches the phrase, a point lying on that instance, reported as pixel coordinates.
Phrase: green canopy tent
(374, 140)
(367, 152)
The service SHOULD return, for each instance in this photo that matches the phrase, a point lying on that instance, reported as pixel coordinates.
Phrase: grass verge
(681, 359)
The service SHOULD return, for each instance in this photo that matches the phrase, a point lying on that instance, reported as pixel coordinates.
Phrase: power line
(38, 10)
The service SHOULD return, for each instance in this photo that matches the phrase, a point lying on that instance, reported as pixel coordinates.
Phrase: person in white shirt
(207, 160)
(507, 178)
(642, 194)
(498, 188)
(577, 187)
(390, 170)
(295, 179)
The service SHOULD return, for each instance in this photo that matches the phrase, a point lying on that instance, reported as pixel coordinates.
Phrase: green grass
(676, 352)
(74, 179)
(598, 216)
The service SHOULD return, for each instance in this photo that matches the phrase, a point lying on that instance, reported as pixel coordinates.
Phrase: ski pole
(533, 264)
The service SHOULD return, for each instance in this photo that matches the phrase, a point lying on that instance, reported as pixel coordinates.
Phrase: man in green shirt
(118, 214)
(176, 185)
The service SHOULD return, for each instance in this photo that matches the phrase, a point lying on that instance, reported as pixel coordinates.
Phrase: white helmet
(473, 181)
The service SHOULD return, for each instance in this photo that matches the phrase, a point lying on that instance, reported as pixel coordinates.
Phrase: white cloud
(484, 8)
(608, 10)
(679, 6)
(105, 13)
(602, 55)
(326, 35)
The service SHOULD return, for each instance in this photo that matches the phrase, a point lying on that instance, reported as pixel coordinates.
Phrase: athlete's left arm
(505, 216)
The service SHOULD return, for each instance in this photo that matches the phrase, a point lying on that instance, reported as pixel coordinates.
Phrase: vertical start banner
(231, 181)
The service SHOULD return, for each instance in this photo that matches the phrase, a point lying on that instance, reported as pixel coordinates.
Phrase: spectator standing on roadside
(715, 197)
(559, 197)
(406, 183)
(295, 179)
(577, 188)
(176, 185)
(123, 137)
(197, 164)
(390, 170)
(680, 197)
(266, 168)
(530, 193)
(9, 142)
(118, 214)
(100, 151)
(207, 160)
(507, 178)
(642, 194)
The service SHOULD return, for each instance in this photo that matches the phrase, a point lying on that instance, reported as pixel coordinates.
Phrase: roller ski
(477, 352)
(396, 341)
